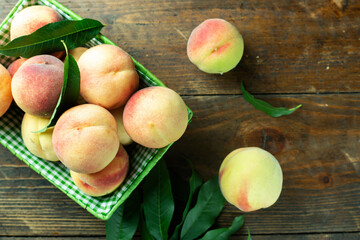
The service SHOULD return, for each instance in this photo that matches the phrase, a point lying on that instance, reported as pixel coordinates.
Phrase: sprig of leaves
(145, 234)
(158, 205)
(225, 233)
(249, 235)
(208, 206)
(266, 107)
(125, 220)
(195, 183)
(47, 39)
(70, 89)
(158, 201)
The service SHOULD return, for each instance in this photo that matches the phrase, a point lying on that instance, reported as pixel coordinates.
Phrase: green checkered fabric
(142, 159)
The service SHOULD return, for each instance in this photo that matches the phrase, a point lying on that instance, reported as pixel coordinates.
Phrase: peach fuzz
(108, 76)
(85, 138)
(215, 46)
(5, 90)
(107, 180)
(250, 178)
(31, 19)
(39, 144)
(36, 85)
(15, 65)
(77, 52)
(155, 117)
(123, 136)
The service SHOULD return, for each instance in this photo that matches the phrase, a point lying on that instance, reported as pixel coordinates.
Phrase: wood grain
(290, 46)
(335, 236)
(317, 148)
(341, 236)
(296, 52)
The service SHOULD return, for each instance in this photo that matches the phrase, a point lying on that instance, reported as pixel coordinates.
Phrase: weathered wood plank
(317, 147)
(32, 206)
(336, 236)
(333, 236)
(290, 46)
(55, 238)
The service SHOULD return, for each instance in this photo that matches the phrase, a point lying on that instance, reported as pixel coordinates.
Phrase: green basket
(142, 159)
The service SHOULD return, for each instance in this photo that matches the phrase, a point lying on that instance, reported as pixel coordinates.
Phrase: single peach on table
(38, 143)
(250, 178)
(155, 117)
(15, 65)
(5, 90)
(36, 85)
(31, 19)
(215, 46)
(107, 180)
(123, 136)
(85, 138)
(108, 76)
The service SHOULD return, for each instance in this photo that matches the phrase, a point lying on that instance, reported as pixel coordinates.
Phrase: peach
(36, 85)
(108, 76)
(85, 138)
(5, 90)
(39, 144)
(215, 46)
(60, 55)
(250, 178)
(15, 65)
(31, 19)
(77, 52)
(155, 117)
(107, 180)
(123, 136)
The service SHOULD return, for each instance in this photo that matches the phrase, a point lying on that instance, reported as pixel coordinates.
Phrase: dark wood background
(296, 52)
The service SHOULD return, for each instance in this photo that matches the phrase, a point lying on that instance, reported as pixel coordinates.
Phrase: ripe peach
(85, 138)
(123, 136)
(36, 86)
(5, 90)
(60, 55)
(215, 46)
(39, 144)
(31, 19)
(155, 117)
(77, 52)
(108, 76)
(15, 65)
(250, 178)
(107, 180)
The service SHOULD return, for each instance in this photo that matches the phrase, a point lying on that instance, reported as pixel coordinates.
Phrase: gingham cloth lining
(141, 158)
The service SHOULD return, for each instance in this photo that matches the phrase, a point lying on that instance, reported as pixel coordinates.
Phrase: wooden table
(296, 52)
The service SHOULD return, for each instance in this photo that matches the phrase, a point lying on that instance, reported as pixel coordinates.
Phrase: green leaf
(47, 38)
(158, 201)
(123, 223)
(145, 234)
(70, 90)
(249, 235)
(266, 107)
(225, 233)
(202, 216)
(195, 183)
